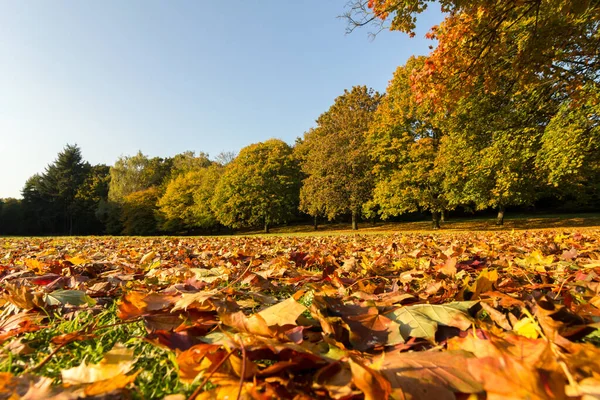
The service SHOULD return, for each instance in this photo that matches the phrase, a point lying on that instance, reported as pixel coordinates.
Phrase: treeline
(370, 156)
(504, 112)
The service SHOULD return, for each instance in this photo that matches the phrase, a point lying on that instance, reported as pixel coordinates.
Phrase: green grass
(480, 223)
(159, 369)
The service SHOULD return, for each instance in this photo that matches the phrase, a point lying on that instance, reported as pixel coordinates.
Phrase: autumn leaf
(72, 297)
(421, 320)
(108, 375)
(370, 382)
(283, 313)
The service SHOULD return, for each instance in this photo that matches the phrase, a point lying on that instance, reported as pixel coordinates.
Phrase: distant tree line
(504, 112)
(370, 156)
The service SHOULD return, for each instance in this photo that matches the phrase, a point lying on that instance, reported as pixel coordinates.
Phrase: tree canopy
(335, 160)
(259, 187)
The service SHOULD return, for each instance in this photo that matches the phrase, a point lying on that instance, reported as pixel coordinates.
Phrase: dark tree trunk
(316, 223)
(500, 218)
(435, 219)
(354, 220)
(266, 227)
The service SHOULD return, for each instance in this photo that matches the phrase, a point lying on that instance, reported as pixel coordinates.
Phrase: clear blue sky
(163, 77)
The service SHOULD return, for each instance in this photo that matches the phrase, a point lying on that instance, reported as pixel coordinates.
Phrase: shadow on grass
(516, 222)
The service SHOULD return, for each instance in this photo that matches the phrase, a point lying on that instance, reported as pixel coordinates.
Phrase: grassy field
(479, 224)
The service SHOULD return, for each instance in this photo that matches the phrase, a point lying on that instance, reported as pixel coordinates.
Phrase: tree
(225, 157)
(489, 152)
(188, 161)
(11, 217)
(185, 205)
(139, 212)
(259, 187)
(134, 173)
(403, 142)
(59, 185)
(335, 160)
(92, 192)
(547, 45)
(569, 155)
(35, 205)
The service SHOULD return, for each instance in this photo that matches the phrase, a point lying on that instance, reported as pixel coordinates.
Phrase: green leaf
(421, 320)
(73, 297)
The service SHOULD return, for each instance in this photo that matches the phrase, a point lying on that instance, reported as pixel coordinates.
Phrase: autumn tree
(189, 161)
(569, 155)
(489, 152)
(546, 45)
(335, 160)
(134, 173)
(259, 187)
(186, 203)
(403, 141)
(138, 214)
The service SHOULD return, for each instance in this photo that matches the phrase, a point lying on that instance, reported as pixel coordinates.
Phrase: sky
(164, 77)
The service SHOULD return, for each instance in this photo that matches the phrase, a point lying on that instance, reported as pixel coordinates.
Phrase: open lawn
(516, 222)
(505, 314)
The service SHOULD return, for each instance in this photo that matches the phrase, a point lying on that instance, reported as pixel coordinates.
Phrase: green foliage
(260, 187)
(11, 217)
(569, 157)
(49, 199)
(403, 142)
(334, 158)
(185, 205)
(188, 161)
(134, 173)
(488, 155)
(138, 213)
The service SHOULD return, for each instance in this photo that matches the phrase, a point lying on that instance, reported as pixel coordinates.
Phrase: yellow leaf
(118, 361)
(284, 313)
(526, 327)
(148, 257)
(78, 260)
(106, 386)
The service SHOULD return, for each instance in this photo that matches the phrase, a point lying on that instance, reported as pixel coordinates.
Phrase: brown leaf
(370, 382)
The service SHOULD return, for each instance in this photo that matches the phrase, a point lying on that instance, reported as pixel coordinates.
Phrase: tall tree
(59, 185)
(403, 142)
(490, 150)
(335, 160)
(90, 194)
(259, 187)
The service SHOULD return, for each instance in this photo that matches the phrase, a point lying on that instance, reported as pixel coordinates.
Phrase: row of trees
(505, 111)
(370, 156)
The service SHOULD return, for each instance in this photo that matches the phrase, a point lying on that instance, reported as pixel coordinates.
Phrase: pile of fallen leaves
(489, 315)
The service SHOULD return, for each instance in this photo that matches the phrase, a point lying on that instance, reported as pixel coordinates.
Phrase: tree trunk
(354, 220)
(500, 218)
(444, 216)
(316, 223)
(435, 219)
(266, 226)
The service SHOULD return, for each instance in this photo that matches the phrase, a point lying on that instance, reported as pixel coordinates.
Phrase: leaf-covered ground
(491, 315)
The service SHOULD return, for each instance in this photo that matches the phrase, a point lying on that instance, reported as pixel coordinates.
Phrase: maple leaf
(283, 313)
